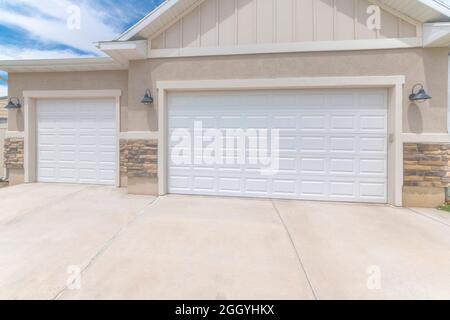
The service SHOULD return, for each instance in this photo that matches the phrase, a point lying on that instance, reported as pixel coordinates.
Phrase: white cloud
(55, 30)
(16, 53)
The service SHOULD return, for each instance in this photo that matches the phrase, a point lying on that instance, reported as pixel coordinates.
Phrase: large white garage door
(332, 144)
(76, 141)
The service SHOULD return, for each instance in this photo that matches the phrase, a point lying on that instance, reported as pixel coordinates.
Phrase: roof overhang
(158, 19)
(424, 11)
(57, 65)
(436, 34)
(124, 51)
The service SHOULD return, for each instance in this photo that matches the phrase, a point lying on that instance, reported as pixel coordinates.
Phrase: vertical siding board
(408, 30)
(265, 21)
(158, 42)
(246, 21)
(227, 23)
(284, 21)
(389, 25)
(344, 20)
(173, 36)
(208, 13)
(190, 29)
(305, 20)
(363, 31)
(324, 20)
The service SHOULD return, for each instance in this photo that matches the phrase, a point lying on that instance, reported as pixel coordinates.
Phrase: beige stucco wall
(95, 80)
(428, 66)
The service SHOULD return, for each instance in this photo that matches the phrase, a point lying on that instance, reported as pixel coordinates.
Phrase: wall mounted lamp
(419, 94)
(14, 103)
(148, 99)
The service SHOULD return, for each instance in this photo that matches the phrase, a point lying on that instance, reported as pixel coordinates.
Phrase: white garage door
(332, 144)
(76, 141)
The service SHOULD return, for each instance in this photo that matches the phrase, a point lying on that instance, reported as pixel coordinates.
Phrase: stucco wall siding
(428, 66)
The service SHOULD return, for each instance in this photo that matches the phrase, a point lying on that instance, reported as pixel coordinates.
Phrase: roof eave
(436, 34)
(61, 65)
(148, 19)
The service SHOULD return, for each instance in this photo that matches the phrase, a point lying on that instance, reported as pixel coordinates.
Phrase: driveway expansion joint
(108, 244)
(429, 218)
(46, 205)
(297, 253)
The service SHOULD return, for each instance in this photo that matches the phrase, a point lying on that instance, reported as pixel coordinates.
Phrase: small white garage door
(332, 144)
(76, 141)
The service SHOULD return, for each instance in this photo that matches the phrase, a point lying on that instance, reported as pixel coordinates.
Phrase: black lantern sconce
(14, 103)
(419, 94)
(148, 99)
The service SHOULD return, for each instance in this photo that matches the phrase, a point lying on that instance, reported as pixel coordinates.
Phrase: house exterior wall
(417, 65)
(225, 23)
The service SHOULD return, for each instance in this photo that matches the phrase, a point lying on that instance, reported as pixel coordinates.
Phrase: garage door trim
(30, 121)
(394, 84)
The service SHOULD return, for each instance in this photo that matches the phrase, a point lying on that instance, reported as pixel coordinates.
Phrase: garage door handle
(391, 138)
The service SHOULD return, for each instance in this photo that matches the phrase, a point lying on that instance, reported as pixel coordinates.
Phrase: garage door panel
(375, 122)
(345, 189)
(372, 99)
(313, 122)
(373, 144)
(76, 141)
(373, 167)
(284, 186)
(313, 188)
(341, 123)
(331, 145)
(313, 143)
(343, 144)
(375, 190)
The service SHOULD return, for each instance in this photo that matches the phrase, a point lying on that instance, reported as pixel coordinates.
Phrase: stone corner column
(426, 174)
(139, 166)
(14, 160)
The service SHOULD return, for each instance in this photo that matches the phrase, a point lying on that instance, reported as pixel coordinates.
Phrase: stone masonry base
(14, 160)
(14, 150)
(426, 174)
(139, 164)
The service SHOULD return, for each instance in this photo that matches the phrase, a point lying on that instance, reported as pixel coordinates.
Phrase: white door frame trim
(395, 114)
(30, 148)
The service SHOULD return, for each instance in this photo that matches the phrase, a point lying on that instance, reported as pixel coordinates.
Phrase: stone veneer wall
(139, 158)
(14, 150)
(427, 165)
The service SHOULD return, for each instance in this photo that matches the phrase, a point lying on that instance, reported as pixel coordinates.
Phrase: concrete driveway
(180, 247)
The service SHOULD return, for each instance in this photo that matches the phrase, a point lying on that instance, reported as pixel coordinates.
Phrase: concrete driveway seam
(297, 253)
(109, 243)
(428, 217)
(47, 205)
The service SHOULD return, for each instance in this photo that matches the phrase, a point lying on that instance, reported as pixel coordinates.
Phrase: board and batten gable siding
(225, 23)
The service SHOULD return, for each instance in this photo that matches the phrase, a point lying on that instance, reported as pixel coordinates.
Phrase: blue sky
(38, 29)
